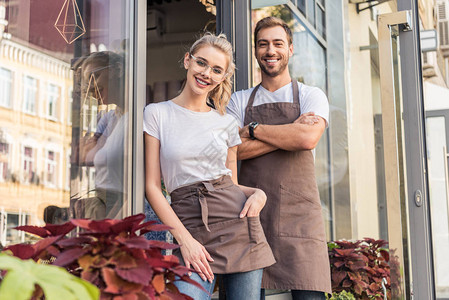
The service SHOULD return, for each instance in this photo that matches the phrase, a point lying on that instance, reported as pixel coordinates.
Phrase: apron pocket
(299, 217)
(255, 230)
(222, 231)
(249, 227)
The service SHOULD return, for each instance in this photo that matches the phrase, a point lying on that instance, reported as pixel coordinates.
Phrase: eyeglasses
(200, 65)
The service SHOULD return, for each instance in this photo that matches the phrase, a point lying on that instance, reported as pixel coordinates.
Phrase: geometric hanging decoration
(93, 92)
(69, 22)
(92, 102)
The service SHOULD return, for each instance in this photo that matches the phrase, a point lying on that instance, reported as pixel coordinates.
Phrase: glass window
(4, 158)
(308, 64)
(12, 221)
(29, 94)
(436, 129)
(5, 87)
(28, 165)
(69, 107)
(320, 21)
(302, 6)
(53, 94)
(310, 6)
(86, 116)
(72, 64)
(67, 171)
(50, 162)
(435, 73)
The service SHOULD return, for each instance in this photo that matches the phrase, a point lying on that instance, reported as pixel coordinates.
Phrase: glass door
(437, 131)
(371, 161)
(435, 77)
(406, 193)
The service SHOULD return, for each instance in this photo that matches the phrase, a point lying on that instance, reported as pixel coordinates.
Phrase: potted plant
(24, 279)
(112, 255)
(360, 268)
(343, 295)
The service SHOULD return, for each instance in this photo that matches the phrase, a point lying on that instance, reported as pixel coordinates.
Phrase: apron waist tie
(208, 187)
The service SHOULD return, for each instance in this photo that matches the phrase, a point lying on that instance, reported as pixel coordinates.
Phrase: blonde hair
(221, 94)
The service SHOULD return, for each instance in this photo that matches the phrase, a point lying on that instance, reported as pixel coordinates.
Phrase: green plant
(25, 278)
(111, 254)
(344, 295)
(358, 268)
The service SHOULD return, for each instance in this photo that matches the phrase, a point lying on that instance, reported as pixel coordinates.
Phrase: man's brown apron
(292, 218)
(210, 212)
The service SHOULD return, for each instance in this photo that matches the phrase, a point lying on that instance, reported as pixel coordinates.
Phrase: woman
(102, 78)
(214, 220)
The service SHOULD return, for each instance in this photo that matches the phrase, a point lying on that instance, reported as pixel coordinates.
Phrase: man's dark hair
(269, 22)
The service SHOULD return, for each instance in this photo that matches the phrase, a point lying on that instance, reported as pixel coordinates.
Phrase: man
(281, 123)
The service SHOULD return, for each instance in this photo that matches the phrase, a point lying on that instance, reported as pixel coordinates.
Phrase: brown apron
(292, 218)
(210, 212)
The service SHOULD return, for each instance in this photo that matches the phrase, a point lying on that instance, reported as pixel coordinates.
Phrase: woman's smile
(201, 82)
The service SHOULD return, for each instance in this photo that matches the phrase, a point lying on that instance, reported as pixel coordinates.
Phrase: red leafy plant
(111, 254)
(359, 266)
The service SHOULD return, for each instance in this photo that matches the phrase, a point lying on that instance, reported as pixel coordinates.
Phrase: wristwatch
(251, 127)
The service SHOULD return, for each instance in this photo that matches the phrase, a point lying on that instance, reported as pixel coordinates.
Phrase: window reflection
(4, 158)
(53, 94)
(48, 113)
(101, 146)
(30, 93)
(310, 7)
(5, 87)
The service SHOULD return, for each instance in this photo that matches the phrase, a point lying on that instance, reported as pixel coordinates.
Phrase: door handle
(392, 138)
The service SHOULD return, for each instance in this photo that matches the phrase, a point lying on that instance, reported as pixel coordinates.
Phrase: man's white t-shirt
(311, 99)
(194, 145)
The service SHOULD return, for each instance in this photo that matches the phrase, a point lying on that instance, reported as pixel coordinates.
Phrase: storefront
(76, 75)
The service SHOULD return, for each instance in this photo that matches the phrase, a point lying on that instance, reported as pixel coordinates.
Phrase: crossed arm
(303, 134)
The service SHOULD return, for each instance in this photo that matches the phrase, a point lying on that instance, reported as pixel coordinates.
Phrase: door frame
(422, 282)
(139, 77)
(234, 20)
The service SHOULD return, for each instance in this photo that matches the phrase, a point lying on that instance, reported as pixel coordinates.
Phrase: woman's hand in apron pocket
(195, 255)
(254, 204)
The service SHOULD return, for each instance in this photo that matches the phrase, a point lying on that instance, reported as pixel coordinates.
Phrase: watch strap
(251, 127)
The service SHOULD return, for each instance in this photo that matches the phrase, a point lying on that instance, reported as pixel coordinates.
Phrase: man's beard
(273, 73)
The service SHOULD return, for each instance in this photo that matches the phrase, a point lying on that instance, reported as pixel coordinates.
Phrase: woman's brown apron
(210, 212)
(292, 218)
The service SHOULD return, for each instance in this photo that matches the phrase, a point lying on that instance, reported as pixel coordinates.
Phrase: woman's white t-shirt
(194, 145)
